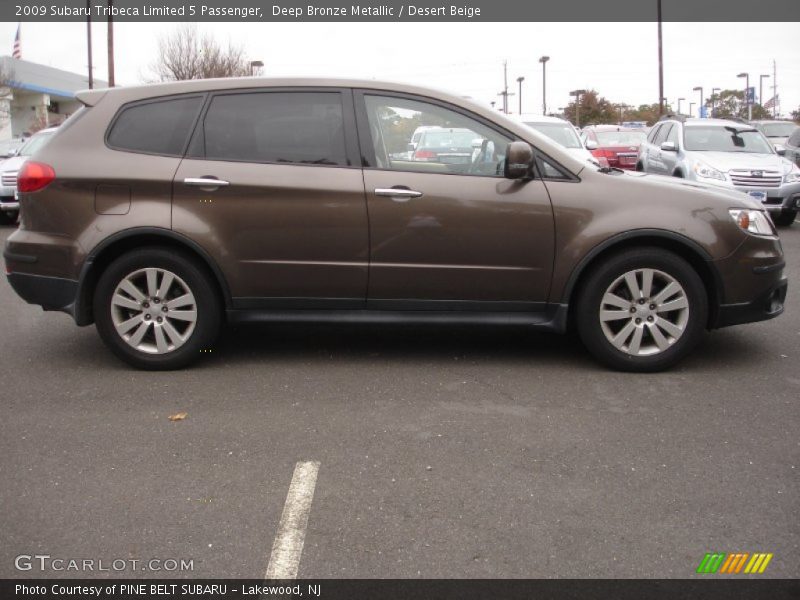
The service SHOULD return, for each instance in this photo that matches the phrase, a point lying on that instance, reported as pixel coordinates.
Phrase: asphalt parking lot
(446, 452)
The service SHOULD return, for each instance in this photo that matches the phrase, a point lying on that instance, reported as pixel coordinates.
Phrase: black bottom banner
(404, 589)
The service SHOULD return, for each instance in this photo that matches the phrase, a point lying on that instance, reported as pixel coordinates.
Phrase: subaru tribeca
(159, 212)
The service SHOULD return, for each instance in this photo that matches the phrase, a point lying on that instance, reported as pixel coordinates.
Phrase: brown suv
(159, 211)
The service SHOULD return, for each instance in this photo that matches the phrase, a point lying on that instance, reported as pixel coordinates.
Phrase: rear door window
(276, 127)
(155, 127)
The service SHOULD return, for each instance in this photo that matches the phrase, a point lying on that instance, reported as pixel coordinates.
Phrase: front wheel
(641, 310)
(785, 218)
(157, 309)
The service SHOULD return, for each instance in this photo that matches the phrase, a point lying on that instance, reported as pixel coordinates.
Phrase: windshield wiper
(610, 170)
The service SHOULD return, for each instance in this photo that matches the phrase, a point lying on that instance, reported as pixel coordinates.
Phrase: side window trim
(195, 149)
(154, 100)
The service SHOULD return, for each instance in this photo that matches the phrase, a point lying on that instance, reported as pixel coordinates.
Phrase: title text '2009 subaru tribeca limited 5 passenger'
(158, 211)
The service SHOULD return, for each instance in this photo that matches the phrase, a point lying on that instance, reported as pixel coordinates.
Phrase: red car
(618, 145)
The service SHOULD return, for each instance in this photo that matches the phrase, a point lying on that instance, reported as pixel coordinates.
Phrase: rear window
(620, 138)
(160, 127)
(276, 127)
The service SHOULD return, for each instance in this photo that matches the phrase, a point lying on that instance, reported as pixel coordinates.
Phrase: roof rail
(672, 117)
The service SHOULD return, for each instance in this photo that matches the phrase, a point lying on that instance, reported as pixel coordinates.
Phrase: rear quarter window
(155, 127)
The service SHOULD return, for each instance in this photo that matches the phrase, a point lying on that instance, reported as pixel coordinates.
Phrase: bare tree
(188, 54)
(6, 77)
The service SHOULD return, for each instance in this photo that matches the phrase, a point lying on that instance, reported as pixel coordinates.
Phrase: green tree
(594, 109)
(731, 104)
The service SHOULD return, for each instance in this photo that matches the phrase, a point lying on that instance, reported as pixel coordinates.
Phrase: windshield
(562, 133)
(725, 139)
(448, 139)
(35, 143)
(620, 138)
(777, 129)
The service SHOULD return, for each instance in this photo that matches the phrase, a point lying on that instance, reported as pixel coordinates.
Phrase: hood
(725, 161)
(728, 196)
(13, 163)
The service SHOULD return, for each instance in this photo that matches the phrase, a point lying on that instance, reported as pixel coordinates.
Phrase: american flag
(771, 102)
(17, 52)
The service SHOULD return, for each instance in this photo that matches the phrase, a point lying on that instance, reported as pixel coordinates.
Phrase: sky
(619, 60)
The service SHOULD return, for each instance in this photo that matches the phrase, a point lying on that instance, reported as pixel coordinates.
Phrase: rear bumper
(51, 293)
(767, 305)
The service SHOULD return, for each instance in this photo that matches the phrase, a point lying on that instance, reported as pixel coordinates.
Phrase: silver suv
(727, 154)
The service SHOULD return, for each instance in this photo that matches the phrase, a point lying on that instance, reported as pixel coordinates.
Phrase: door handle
(398, 194)
(207, 182)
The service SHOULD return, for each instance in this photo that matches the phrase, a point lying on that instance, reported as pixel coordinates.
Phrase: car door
(271, 188)
(451, 231)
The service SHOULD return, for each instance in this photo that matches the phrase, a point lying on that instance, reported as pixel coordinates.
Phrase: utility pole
(505, 86)
(761, 89)
(89, 40)
(519, 81)
(660, 66)
(110, 44)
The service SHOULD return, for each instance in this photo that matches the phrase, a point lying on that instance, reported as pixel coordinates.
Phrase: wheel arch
(116, 245)
(692, 252)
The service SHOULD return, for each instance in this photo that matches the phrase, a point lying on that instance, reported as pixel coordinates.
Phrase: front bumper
(768, 305)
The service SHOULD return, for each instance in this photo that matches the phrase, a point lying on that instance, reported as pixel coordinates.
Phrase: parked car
(618, 145)
(158, 212)
(9, 148)
(729, 154)
(562, 132)
(793, 147)
(445, 145)
(9, 205)
(777, 132)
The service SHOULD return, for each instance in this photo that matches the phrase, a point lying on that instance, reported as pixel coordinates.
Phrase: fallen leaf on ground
(178, 416)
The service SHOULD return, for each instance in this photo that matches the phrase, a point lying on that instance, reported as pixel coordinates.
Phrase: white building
(36, 96)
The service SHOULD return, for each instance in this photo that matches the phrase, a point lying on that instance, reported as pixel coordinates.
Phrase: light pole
(519, 81)
(543, 60)
(577, 94)
(691, 110)
(761, 79)
(255, 67)
(699, 88)
(713, 101)
(747, 94)
(679, 104)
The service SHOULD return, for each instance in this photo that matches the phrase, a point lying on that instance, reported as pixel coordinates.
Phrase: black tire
(199, 283)
(8, 217)
(609, 271)
(785, 218)
(678, 174)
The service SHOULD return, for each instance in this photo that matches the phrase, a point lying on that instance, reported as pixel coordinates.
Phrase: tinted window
(155, 127)
(280, 127)
(673, 135)
(662, 134)
(450, 142)
(652, 137)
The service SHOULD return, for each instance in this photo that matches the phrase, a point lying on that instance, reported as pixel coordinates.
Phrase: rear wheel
(643, 309)
(8, 217)
(785, 218)
(157, 309)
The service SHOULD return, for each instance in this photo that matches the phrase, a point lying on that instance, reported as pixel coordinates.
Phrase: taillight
(34, 176)
(424, 155)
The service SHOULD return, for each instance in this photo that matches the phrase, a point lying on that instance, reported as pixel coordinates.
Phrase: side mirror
(669, 147)
(591, 145)
(519, 160)
(781, 150)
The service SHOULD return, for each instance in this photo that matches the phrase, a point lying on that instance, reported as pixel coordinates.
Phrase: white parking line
(288, 545)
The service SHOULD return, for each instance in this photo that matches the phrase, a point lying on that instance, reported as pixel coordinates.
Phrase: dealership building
(35, 96)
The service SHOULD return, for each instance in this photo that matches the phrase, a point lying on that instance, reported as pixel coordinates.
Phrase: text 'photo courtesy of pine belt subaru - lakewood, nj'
(159, 212)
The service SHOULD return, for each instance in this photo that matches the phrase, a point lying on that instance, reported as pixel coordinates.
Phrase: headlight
(707, 172)
(792, 176)
(752, 221)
